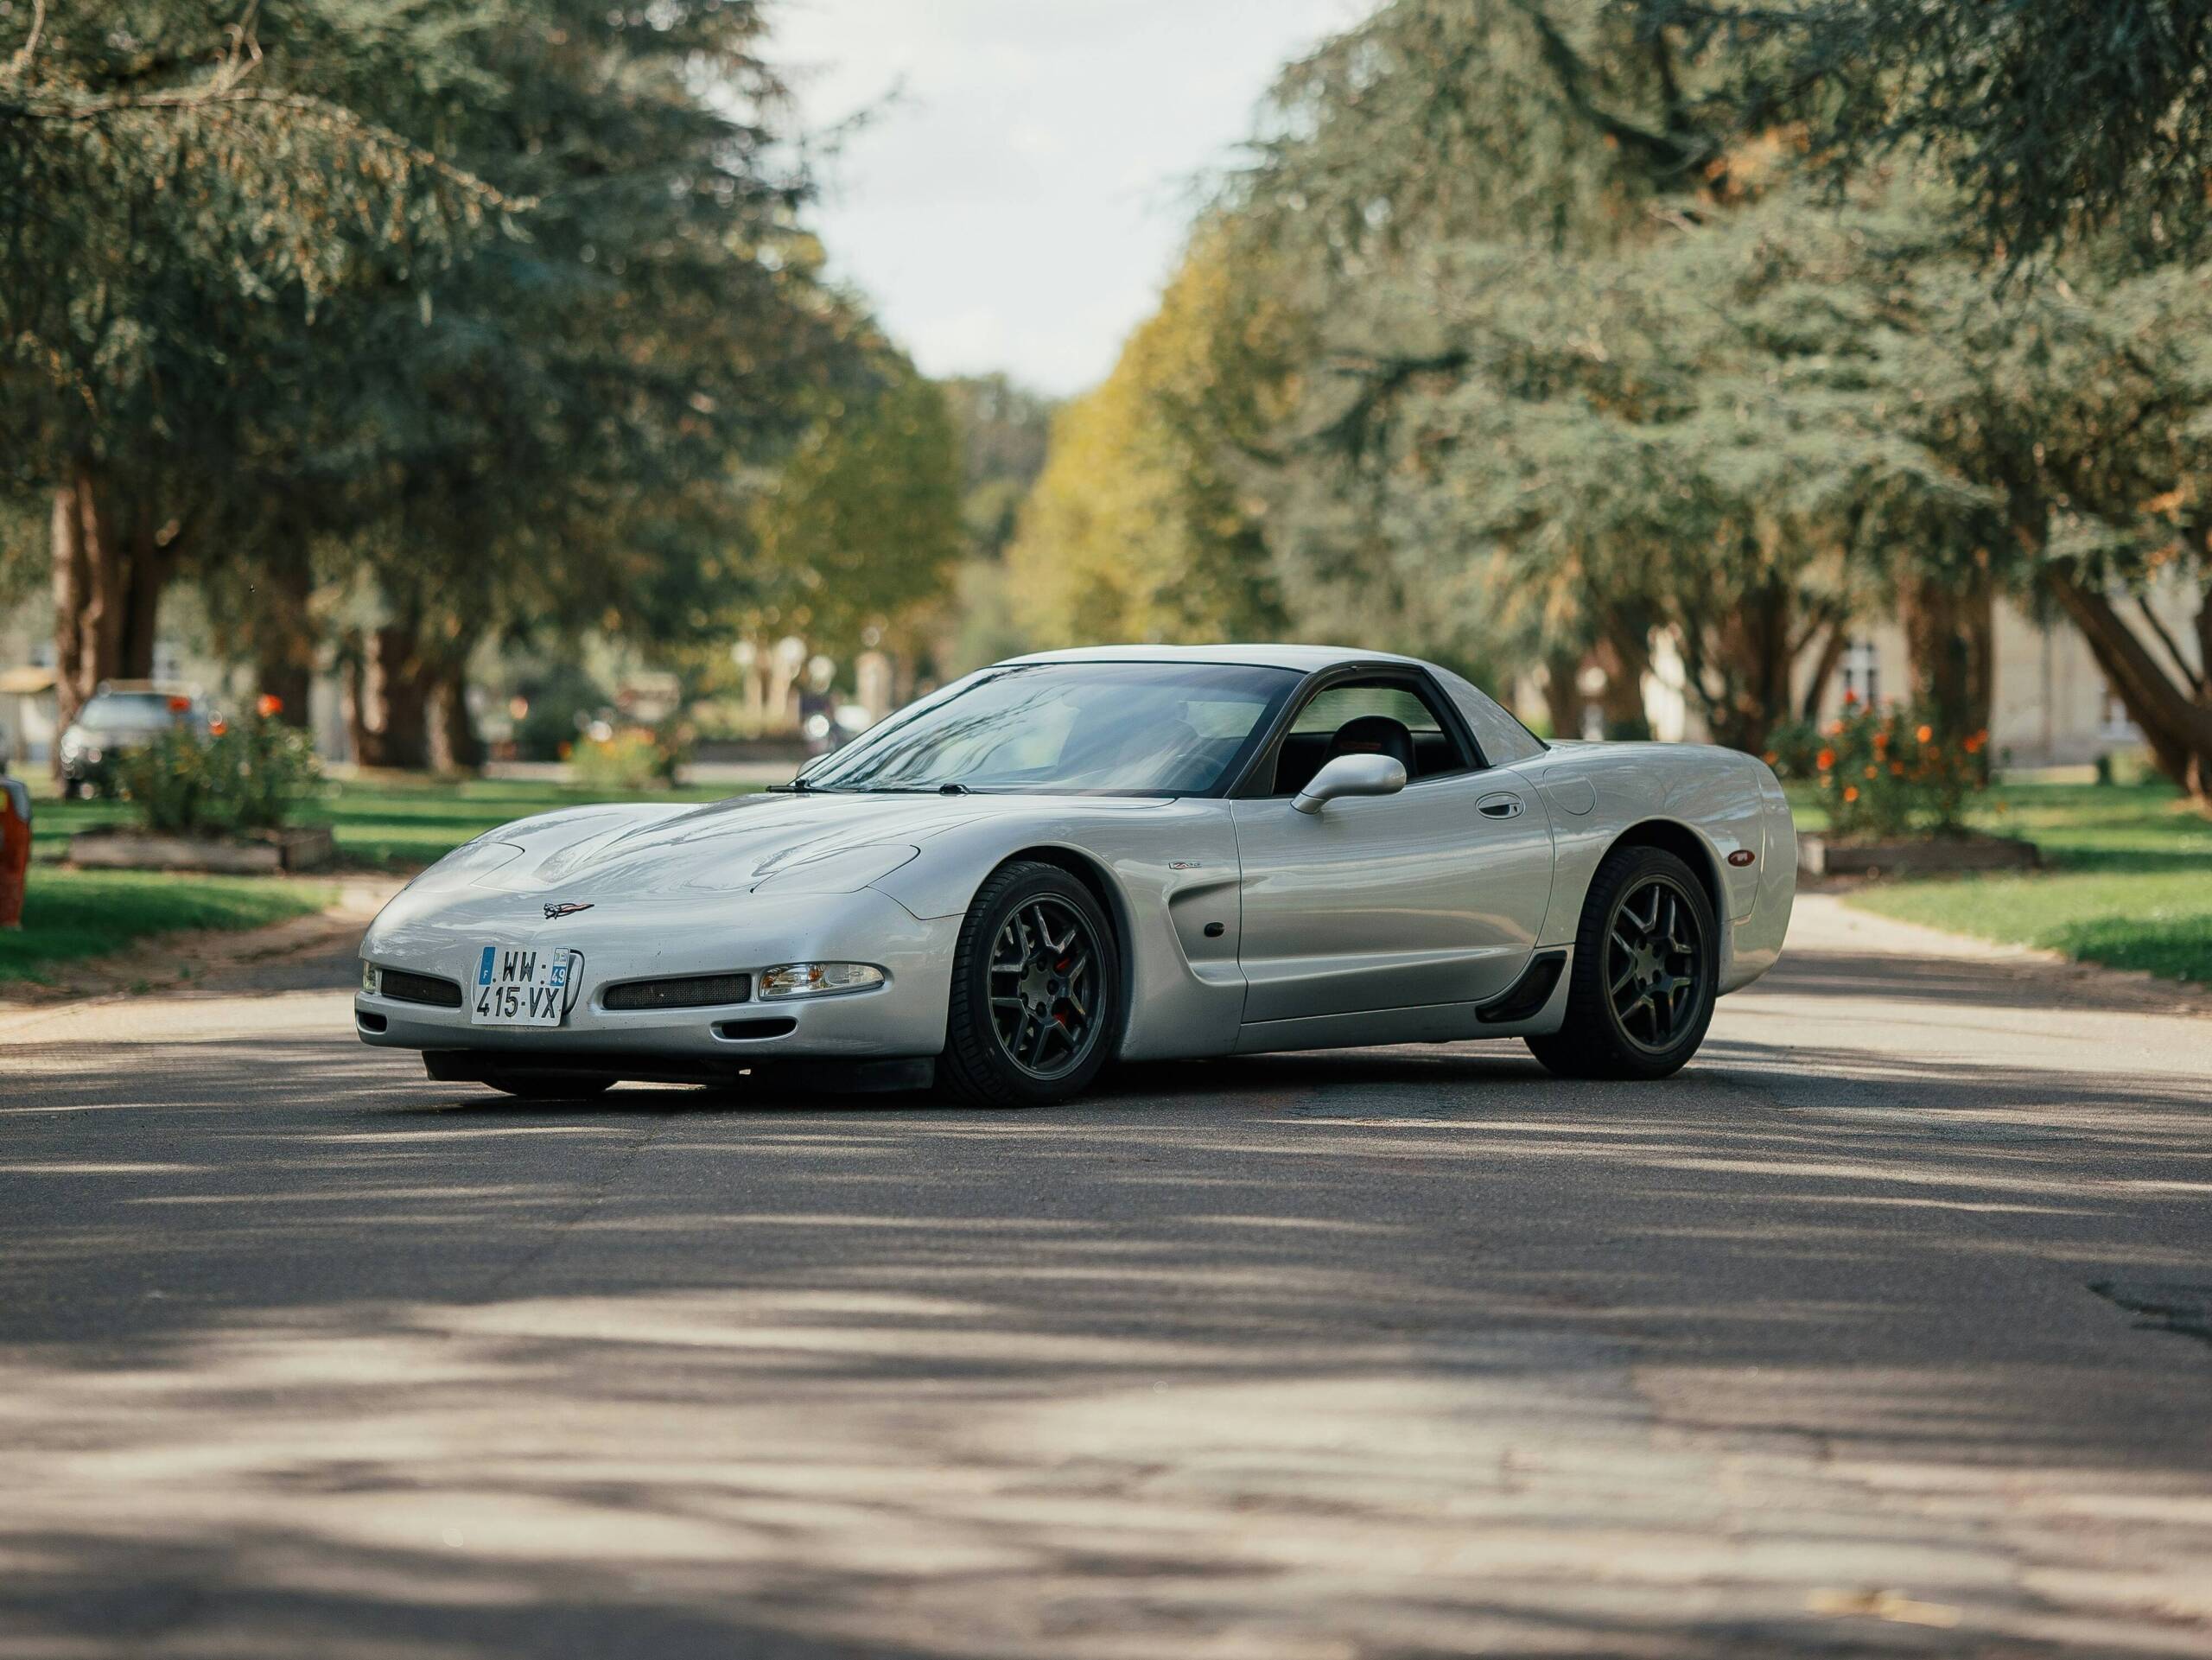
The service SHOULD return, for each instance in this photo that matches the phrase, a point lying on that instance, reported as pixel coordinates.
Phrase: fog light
(816, 979)
(372, 979)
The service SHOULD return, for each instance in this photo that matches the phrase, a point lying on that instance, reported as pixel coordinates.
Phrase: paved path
(1883, 1329)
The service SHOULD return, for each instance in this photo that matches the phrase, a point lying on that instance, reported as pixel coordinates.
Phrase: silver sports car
(1139, 853)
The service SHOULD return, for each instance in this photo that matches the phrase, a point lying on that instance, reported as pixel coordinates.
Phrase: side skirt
(1534, 1004)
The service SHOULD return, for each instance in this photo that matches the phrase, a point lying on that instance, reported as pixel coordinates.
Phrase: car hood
(677, 852)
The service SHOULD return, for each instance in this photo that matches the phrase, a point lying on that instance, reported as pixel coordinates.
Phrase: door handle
(1499, 806)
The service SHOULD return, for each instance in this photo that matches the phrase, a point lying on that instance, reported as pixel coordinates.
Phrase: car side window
(1382, 715)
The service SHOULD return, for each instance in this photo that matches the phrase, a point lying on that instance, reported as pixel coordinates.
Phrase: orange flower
(1825, 759)
(1974, 744)
(1851, 792)
(1850, 698)
(1870, 771)
(1897, 769)
(1881, 741)
(270, 706)
(1925, 735)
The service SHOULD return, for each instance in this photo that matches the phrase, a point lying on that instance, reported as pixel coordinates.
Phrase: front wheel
(1646, 972)
(1036, 1005)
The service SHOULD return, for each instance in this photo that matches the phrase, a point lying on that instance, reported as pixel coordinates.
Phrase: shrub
(1891, 772)
(247, 777)
(632, 759)
(1791, 748)
(561, 705)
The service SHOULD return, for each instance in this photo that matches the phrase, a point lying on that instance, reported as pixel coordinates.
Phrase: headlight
(372, 979)
(817, 980)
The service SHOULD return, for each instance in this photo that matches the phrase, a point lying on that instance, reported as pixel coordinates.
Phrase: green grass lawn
(396, 825)
(380, 823)
(2129, 883)
(69, 915)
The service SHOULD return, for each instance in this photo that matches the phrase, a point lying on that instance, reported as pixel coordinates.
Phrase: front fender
(1169, 870)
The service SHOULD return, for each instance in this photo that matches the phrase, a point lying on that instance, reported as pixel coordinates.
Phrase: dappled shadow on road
(1993, 983)
(1411, 1352)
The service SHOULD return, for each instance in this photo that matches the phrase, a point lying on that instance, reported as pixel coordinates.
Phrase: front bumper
(903, 1018)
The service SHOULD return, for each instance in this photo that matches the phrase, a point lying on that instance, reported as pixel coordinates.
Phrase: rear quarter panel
(1728, 801)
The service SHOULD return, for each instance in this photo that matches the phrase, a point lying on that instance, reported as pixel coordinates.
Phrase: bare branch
(213, 97)
(22, 60)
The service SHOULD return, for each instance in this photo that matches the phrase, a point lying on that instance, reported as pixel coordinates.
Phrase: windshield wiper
(797, 786)
(913, 788)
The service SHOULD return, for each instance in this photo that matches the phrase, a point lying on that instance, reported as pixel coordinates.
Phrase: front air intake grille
(426, 988)
(700, 991)
(742, 1030)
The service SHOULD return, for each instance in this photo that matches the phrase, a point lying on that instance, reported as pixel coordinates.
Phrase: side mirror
(1351, 775)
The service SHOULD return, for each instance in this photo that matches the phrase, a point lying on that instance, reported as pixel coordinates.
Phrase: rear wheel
(1036, 991)
(1646, 972)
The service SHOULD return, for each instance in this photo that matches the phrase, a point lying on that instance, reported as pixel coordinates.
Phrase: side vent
(1527, 996)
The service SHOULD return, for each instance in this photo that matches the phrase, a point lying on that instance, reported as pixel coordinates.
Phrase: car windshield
(1138, 728)
(127, 711)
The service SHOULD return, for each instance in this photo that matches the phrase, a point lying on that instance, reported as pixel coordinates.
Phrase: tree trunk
(2175, 719)
(1950, 629)
(151, 560)
(1833, 643)
(1624, 654)
(109, 570)
(1562, 696)
(284, 640)
(454, 745)
(87, 601)
(72, 578)
(387, 700)
(1753, 652)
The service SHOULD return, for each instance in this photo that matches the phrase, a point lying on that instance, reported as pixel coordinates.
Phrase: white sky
(1021, 204)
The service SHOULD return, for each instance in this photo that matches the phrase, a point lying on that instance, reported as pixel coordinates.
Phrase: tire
(1646, 972)
(550, 1088)
(1036, 1007)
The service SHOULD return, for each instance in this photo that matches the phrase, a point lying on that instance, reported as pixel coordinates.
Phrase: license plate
(520, 985)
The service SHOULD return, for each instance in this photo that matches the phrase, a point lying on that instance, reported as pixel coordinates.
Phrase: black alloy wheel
(1645, 975)
(1036, 991)
(1044, 1002)
(1654, 964)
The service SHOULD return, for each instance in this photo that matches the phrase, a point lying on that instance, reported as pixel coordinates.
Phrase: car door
(1433, 896)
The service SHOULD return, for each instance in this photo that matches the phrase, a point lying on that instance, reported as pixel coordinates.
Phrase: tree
(176, 198)
(542, 444)
(861, 527)
(2085, 412)
(1140, 526)
(1005, 432)
(2054, 118)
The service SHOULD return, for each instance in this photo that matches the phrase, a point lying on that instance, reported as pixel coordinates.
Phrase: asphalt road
(1883, 1329)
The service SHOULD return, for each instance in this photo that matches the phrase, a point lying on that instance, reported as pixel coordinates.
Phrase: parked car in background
(121, 716)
